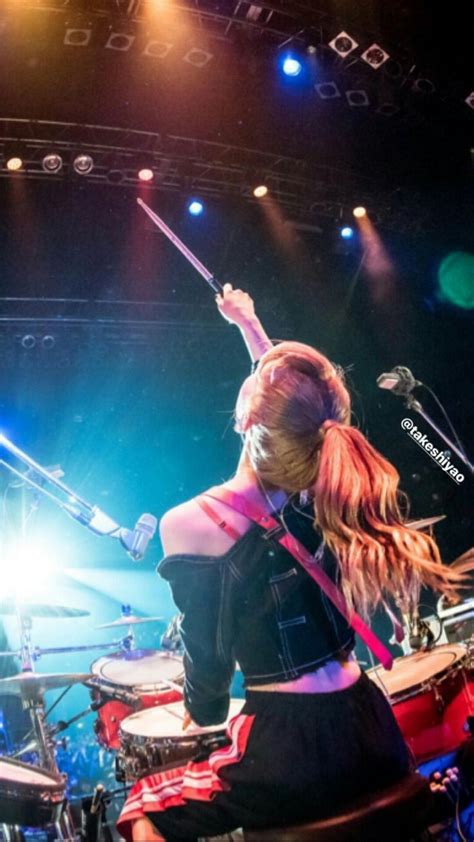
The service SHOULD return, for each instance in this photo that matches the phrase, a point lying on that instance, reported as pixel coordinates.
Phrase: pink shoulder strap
(303, 556)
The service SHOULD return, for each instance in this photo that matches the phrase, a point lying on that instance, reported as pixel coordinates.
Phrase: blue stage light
(195, 207)
(291, 66)
(347, 232)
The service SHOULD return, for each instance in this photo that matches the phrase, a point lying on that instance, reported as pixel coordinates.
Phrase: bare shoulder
(178, 528)
(186, 529)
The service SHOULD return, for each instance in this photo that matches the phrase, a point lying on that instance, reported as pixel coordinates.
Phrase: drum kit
(137, 697)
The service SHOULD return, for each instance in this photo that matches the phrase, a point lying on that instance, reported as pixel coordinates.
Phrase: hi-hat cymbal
(427, 521)
(37, 609)
(30, 685)
(131, 620)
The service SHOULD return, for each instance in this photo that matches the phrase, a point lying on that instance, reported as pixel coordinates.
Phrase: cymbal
(131, 620)
(424, 522)
(38, 609)
(32, 684)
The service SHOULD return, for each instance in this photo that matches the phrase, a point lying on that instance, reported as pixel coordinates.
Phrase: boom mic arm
(135, 541)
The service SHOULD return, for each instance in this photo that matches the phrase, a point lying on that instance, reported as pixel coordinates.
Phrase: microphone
(136, 540)
(416, 638)
(399, 380)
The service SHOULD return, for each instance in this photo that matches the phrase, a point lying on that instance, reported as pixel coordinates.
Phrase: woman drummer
(314, 732)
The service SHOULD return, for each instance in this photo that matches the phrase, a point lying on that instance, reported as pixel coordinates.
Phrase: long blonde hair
(299, 437)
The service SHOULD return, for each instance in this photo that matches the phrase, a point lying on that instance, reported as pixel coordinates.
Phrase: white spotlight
(52, 162)
(29, 565)
(470, 100)
(83, 164)
(343, 44)
(375, 56)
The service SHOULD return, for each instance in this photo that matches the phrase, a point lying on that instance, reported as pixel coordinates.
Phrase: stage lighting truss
(343, 44)
(106, 155)
(375, 56)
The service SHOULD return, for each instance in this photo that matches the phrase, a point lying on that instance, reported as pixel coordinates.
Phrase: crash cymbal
(131, 620)
(30, 685)
(37, 609)
(427, 521)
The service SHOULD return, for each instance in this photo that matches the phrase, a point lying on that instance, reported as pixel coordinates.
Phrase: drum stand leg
(11, 833)
(64, 827)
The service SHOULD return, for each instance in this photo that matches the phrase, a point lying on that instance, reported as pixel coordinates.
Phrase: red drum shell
(140, 674)
(433, 713)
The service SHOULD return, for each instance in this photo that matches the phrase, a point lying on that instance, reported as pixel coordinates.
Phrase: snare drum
(29, 795)
(432, 695)
(153, 740)
(139, 676)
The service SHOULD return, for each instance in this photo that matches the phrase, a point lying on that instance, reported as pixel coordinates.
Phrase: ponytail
(358, 509)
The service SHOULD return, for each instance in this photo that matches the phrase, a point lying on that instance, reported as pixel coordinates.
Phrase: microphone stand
(79, 509)
(413, 404)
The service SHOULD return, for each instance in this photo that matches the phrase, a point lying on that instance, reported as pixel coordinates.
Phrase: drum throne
(399, 813)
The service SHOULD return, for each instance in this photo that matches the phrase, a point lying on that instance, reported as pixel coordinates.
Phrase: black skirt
(294, 757)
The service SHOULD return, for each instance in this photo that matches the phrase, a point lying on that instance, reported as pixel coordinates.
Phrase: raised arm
(237, 307)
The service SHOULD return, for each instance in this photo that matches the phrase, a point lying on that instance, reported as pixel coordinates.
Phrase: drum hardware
(94, 824)
(35, 795)
(135, 541)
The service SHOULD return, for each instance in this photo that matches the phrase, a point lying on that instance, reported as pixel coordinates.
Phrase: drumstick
(193, 260)
(172, 685)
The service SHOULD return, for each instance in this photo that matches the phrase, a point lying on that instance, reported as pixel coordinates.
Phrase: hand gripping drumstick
(208, 276)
